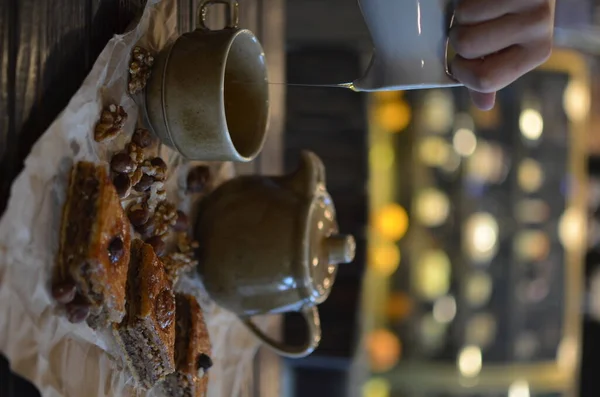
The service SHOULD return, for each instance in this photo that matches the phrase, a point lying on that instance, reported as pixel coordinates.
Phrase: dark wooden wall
(47, 48)
(332, 123)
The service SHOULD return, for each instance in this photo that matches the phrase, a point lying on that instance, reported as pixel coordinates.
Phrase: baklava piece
(192, 351)
(93, 251)
(147, 333)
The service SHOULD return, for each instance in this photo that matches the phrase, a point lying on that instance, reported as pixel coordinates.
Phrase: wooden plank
(273, 39)
(8, 10)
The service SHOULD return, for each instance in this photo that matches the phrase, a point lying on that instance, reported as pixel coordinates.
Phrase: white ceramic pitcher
(411, 45)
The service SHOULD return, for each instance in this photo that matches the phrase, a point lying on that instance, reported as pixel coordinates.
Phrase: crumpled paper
(64, 359)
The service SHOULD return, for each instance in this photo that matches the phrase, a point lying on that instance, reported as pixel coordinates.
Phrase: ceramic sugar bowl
(272, 245)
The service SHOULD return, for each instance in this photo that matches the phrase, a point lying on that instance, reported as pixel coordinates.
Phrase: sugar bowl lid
(324, 247)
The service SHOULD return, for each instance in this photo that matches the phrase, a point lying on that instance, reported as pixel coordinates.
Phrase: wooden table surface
(47, 47)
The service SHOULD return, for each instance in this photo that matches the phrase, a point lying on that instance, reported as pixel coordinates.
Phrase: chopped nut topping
(164, 217)
(110, 124)
(177, 263)
(156, 168)
(140, 69)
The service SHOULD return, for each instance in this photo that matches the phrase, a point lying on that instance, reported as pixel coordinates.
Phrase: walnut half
(111, 123)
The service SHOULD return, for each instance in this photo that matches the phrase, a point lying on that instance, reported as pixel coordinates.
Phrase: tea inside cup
(246, 95)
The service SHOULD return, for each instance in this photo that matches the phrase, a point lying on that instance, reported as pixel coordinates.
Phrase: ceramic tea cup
(208, 97)
(411, 44)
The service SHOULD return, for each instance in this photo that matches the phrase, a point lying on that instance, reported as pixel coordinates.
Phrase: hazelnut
(144, 184)
(122, 185)
(161, 168)
(116, 248)
(158, 244)
(77, 310)
(122, 163)
(182, 222)
(64, 292)
(138, 214)
(142, 137)
(197, 179)
(204, 362)
(165, 308)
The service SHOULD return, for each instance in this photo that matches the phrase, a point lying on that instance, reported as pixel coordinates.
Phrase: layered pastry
(192, 351)
(94, 245)
(147, 333)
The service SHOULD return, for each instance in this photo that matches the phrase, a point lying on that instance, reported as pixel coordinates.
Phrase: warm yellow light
(438, 111)
(393, 116)
(576, 100)
(478, 289)
(387, 96)
(434, 151)
(432, 207)
(432, 275)
(530, 175)
(399, 306)
(486, 164)
(571, 229)
(532, 245)
(464, 142)
(531, 124)
(519, 388)
(385, 258)
(444, 309)
(470, 361)
(481, 330)
(391, 222)
(481, 236)
(377, 387)
(567, 353)
(381, 156)
(384, 349)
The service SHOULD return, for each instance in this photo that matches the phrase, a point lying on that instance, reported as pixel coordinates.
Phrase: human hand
(498, 41)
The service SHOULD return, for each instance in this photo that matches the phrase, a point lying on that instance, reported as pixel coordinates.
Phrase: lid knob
(341, 248)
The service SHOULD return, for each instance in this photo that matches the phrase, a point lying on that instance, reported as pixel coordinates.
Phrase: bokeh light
(481, 236)
(519, 388)
(432, 207)
(464, 142)
(385, 258)
(478, 289)
(384, 350)
(444, 309)
(438, 111)
(576, 100)
(530, 175)
(391, 222)
(376, 387)
(434, 151)
(393, 116)
(470, 361)
(399, 306)
(432, 275)
(531, 124)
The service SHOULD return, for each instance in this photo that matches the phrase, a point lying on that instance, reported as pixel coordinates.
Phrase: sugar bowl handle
(311, 315)
(233, 18)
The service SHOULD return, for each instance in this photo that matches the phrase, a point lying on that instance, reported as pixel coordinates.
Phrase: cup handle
(311, 315)
(233, 18)
(450, 23)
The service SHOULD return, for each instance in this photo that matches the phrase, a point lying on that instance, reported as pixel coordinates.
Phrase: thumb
(484, 101)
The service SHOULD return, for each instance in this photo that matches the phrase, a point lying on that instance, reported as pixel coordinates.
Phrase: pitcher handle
(311, 315)
(233, 18)
(447, 60)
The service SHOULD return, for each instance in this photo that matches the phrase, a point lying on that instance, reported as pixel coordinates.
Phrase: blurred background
(478, 239)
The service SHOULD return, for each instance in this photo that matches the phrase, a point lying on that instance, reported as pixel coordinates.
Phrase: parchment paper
(64, 359)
